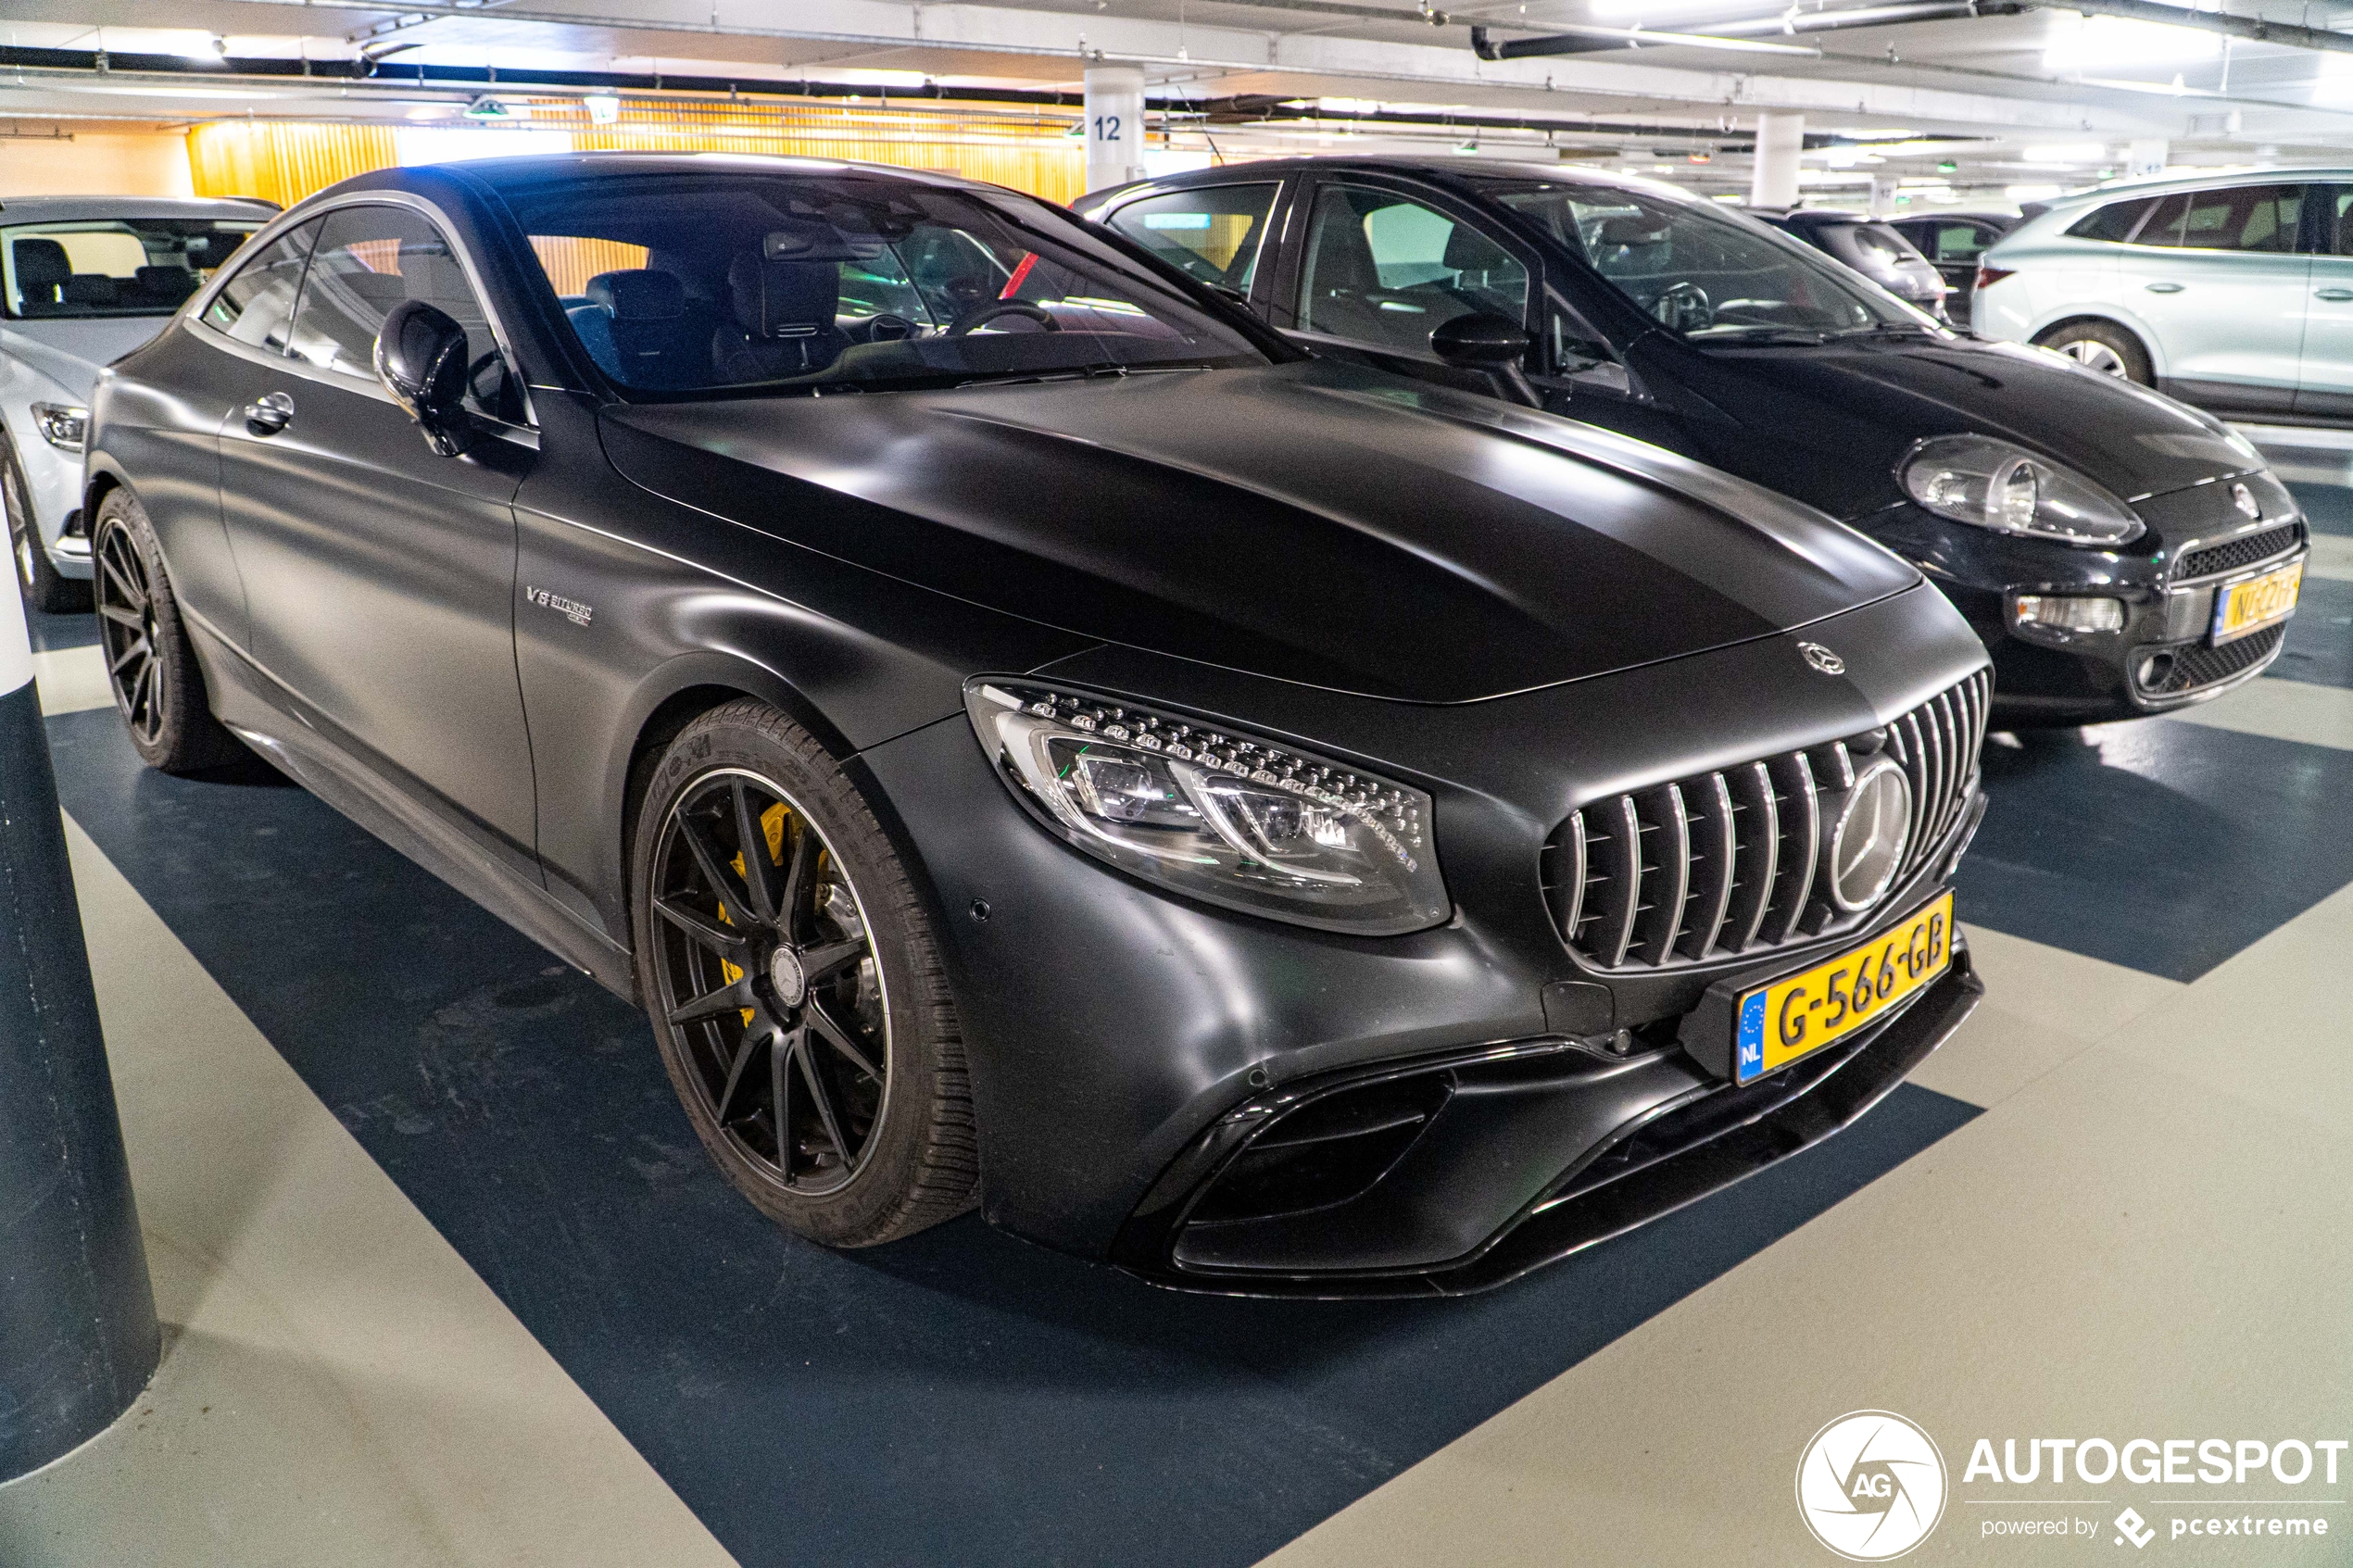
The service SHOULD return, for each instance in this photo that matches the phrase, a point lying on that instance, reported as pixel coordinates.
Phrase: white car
(83, 280)
(2234, 292)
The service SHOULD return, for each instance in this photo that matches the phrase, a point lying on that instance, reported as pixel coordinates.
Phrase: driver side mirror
(1495, 346)
(421, 359)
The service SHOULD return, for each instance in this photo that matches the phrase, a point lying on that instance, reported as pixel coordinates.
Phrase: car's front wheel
(158, 688)
(796, 986)
(44, 588)
(2097, 345)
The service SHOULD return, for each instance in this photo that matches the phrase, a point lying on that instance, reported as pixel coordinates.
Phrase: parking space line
(2080, 1257)
(339, 1385)
(2297, 710)
(71, 680)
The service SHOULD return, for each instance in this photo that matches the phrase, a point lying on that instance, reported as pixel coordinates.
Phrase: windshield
(1709, 276)
(113, 266)
(786, 281)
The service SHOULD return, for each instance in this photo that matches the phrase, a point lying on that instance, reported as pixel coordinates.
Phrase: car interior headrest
(91, 288)
(167, 282)
(41, 264)
(210, 252)
(642, 295)
(783, 298)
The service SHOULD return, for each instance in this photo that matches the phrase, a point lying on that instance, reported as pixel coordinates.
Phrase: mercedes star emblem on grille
(1822, 658)
(2244, 499)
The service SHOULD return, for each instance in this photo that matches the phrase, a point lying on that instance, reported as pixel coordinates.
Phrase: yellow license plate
(1779, 1023)
(2255, 603)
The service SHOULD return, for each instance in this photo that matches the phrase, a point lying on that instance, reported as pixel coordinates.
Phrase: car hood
(1829, 424)
(1311, 522)
(73, 353)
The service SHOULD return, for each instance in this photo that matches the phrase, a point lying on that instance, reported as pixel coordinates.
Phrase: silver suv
(83, 280)
(2234, 294)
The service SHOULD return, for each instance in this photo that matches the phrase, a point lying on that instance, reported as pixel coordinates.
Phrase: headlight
(61, 425)
(1990, 483)
(1202, 810)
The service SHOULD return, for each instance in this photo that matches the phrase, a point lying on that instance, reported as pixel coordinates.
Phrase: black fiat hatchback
(1029, 736)
(2119, 553)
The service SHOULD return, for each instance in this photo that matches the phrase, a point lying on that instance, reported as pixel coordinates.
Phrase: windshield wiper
(1766, 337)
(1111, 368)
(1891, 329)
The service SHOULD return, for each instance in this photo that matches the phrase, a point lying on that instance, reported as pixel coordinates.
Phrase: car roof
(1457, 168)
(68, 210)
(2166, 185)
(501, 173)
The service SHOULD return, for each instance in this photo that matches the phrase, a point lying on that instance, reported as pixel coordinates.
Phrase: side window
(2247, 218)
(2114, 222)
(1387, 270)
(2337, 239)
(1213, 235)
(256, 304)
(1957, 242)
(370, 258)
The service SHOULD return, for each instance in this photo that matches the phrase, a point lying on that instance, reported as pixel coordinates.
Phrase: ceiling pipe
(2254, 29)
(1586, 39)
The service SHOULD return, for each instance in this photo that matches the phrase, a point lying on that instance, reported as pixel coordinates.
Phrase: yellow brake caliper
(772, 825)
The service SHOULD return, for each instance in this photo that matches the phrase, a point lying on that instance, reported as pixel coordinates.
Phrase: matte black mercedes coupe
(1027, 734)
(2121, 554)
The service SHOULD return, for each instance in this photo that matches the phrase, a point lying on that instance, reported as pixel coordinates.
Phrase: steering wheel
(983, 314)
(1685, 308)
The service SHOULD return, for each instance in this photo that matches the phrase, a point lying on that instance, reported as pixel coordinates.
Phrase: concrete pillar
(1114, 125)
(1780, 138)
(77, 1336)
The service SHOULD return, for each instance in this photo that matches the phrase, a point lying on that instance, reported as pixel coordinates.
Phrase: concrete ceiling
(1997, 105)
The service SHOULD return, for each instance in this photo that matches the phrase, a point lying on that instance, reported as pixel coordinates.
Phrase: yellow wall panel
(284, 161)
(95, 163)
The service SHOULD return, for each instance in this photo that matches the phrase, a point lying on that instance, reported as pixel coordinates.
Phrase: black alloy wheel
(766, 967)
(796, 985)
(127, 634)
(158, 687)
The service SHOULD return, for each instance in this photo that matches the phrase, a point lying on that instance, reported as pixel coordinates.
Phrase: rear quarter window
(2114, 222)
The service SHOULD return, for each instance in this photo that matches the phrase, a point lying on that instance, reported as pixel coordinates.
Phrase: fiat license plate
(1794, 1017)
(2256, 603)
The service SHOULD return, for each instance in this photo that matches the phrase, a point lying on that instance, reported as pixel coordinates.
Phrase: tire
(158, 687)
(821, 987)
(44, 588)
(2100, 346)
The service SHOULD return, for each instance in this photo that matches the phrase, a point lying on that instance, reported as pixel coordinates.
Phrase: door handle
(2336, 296)
(269, 414)
(2165, 288)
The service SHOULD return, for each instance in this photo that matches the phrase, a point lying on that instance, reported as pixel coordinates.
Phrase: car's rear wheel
(796, 987)
(44, 588)
(158, 688)
(2097, 345)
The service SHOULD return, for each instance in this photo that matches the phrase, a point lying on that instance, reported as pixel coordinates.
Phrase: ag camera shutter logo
(1871, 1486)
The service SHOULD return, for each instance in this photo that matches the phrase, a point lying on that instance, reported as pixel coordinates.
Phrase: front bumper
(1494, 1163)
(2161, 660)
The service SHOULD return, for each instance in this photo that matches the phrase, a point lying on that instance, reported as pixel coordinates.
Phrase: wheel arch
(2114, 319)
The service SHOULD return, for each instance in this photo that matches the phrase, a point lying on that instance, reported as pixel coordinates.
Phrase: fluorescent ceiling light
(2077, 43)
(2067, 152)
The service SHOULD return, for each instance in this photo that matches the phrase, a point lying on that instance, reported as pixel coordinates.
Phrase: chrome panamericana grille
(1725, 863)
(2243, 551)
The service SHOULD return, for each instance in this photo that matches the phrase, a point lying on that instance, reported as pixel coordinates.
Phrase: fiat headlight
(1975, 479)
(1203, 811)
